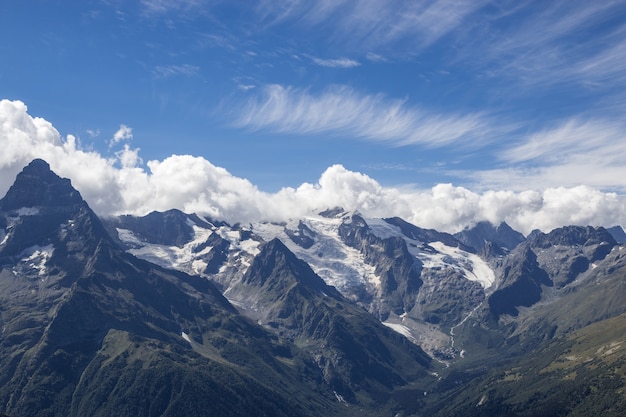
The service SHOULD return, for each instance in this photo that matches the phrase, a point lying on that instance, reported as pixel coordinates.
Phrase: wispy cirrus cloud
(599, 140)
(575, 152)
(159, 7)
(372, 23)
(336, 62)
(341, 110)
(166, 71)
(553, 42)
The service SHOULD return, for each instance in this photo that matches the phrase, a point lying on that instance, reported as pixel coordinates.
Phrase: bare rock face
(618, 234)
(521, 284)
(170, 228)
(88, 329)
(356, 353)
(567, 252)
(398, 270)
(484, 234)
(38, 186)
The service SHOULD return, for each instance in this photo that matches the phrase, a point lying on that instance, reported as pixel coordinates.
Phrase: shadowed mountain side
(91, 330)
(361, 359)
(484, 233)
(582, 373)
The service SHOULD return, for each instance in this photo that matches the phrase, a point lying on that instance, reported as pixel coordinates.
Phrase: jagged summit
(618, 233)
(43, 210)
(573, 236)
(88, 329)
(272, 262)
(172, 227)
(484, 232)
(38, 186)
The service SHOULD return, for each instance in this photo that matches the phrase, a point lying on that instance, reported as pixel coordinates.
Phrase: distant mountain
(618, 234)
(333, 313)
(567, 252)
(483, 234)
(91, 330)
(172, 228)
(537, 286)
(420, 282)
(355, 351)
(472, 308)
(521, 285)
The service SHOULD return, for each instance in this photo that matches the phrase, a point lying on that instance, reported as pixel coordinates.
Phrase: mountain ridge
(83, 314)
(333, 313)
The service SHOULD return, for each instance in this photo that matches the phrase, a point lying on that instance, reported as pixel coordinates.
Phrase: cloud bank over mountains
(121, 183)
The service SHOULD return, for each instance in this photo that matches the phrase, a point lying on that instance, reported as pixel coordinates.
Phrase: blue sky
(489, 96)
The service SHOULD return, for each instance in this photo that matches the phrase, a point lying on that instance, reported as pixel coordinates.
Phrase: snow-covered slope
(189, 257)
(345, 267)
(351, 268)
(338, 264)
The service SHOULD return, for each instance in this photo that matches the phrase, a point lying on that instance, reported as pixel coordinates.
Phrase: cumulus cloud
(342, 110)
(121, 184)
(123, 133)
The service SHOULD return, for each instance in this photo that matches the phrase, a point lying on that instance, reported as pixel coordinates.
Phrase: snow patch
(402, 329)
(27, 211)
(336, 263)
(250, 246)
(469, 264)
(198, 266)
(339, 397)
(186, 337)
(128, 237)
(168, 256)
(36, 257)
(188, 258)
(380, 228)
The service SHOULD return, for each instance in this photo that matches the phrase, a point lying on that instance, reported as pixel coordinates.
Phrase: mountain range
(336, 313)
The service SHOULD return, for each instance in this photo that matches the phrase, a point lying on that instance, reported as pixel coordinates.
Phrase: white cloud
(575, 152)
(371, 56)
(373, 24)
(551, 43)
(246, 87)
(160, 7)
(121, 185)
(93, 133)
(343, 111)
(336, 63)
(129, 158)
(123, 133)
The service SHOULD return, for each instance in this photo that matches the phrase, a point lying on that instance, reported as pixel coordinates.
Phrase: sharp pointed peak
(275, 245)
(38, 186)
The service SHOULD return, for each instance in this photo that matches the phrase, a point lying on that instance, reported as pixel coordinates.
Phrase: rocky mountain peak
(484, 232)
(43, 210)
(38, 186)
(618, 234)
(277, 263)
(573, 236)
